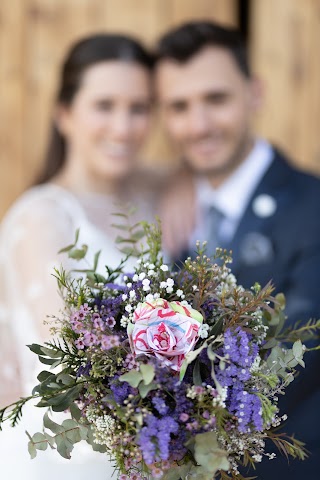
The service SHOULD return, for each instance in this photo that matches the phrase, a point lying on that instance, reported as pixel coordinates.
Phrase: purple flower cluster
(160, 405)
(93, 330)
(208, 308)
(247, 407)
(120, 390)
(241, 352)
(154, 438)
(181, 405)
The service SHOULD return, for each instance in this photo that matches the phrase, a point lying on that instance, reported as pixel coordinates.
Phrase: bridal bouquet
(174, 374)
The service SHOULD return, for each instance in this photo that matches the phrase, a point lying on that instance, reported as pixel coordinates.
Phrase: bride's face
(108, 119)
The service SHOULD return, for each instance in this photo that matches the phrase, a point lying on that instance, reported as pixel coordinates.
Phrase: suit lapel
(252, 242)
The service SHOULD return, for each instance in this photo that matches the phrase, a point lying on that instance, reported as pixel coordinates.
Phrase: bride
(101, 119)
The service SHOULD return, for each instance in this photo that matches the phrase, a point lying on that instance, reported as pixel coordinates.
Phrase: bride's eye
(104, 105)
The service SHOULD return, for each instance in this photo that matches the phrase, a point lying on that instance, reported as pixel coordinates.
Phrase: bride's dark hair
(85, 53)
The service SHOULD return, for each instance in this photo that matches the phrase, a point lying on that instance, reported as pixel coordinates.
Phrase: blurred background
(283, 37)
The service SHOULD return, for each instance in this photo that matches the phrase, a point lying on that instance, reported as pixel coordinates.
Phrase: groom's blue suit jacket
(282, 243)
(285, 247)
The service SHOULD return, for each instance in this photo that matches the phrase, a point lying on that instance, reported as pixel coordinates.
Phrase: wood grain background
(283, 35)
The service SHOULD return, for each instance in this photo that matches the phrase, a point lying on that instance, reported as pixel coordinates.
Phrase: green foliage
(73, 252)
(64, 437)
(209, 455)
(142, 379)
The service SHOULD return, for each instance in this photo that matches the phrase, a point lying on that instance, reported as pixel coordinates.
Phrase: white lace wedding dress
(39, 224)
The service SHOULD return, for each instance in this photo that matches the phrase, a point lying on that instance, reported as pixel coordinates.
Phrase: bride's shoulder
(42, 205)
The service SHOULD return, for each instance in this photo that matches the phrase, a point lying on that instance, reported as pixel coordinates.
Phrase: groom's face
(207, 105)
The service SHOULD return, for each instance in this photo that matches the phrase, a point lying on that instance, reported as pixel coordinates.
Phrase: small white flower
(129, 284)
(124, 321)
(163, 284)
(145, 282)
(179, 292)
(203, 332)
(185, 303)
(125, 278)
(124, 297)
(170, 282)
(128, 308)
(169, 289)
(142, 275)
(194, 287)
(132, 294)
(164, 268)
(149, 297)
(151, 273)
(156, 295)
(135, 278)
(146, 264)
(152, 266)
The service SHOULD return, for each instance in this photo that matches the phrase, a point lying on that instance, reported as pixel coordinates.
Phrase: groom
(245, 196)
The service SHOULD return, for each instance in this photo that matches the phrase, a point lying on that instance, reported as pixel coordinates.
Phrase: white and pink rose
(166, 330)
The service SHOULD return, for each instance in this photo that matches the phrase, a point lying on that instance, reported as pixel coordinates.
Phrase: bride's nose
(121, 124)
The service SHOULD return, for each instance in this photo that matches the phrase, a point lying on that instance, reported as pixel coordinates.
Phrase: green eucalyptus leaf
(133, 378)
(145, 389)
(177, 472)
(72, 430)
(32, 450)
(209, 455)
(75, 411)
(51, 425)
(147, 372)
(83, 432)
(199, 473)
(64, 446)
(39, 441)
(50, 439)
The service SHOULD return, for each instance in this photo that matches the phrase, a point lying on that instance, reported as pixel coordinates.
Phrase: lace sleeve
(31, 236)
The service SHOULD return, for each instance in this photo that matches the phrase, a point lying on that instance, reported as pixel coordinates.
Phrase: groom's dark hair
(185, 41)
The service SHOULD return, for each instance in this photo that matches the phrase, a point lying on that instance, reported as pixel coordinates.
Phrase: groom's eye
(217, 98)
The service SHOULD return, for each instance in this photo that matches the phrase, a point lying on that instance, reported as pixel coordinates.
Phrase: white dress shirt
(232, 197)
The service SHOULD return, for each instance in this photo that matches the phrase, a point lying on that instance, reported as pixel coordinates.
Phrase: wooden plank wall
(285, 41)
(34, 35)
